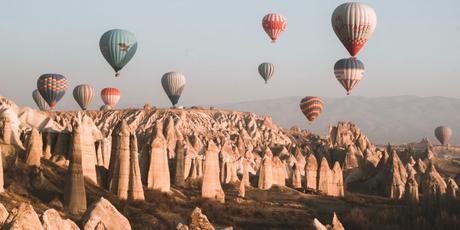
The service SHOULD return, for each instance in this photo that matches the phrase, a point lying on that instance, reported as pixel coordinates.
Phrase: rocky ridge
(130, 152)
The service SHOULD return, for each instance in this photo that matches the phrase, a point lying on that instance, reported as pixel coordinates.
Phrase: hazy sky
(219, 44)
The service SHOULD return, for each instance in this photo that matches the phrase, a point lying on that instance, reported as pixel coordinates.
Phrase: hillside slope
(400, 119)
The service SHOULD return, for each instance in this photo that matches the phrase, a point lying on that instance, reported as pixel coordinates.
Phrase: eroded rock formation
(198, 221)
(433, 186)
(74, 192)
(103, 213)
(52, 220)
(266, 171)
(24, 218)
(324, 176)
(311, 172)
(211, 187)
(34, 148)
(158, 171)
(335, 224)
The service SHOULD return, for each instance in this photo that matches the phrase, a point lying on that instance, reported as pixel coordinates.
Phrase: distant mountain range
(399, 119)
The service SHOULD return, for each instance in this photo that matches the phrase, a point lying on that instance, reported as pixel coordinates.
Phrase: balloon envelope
(118, 47)
(266, 70)
(41, 103)
(273, 25)
(173, 83)
(354, 23)
(311, 107)
(443, 134)
(105, 108)
(110, 96)
(349, 71)
(84, 95)
(52, 87)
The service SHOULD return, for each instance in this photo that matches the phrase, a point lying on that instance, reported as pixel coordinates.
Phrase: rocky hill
(150, 168)
(399, 119)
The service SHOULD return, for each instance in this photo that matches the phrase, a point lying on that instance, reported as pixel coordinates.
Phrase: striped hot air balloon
(273, 25)
(173, 84)
(84, 95)
(443, 134)
(349, 71)
(41, 103)
(110, 96)
(52, 87)
(354, 23)
(266, 70)
(311, 107)
(118, 47)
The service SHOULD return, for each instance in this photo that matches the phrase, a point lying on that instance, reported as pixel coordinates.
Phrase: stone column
(74, 192)
(211, 187)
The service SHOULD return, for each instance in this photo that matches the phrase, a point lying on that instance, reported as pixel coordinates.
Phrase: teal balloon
(118, 47)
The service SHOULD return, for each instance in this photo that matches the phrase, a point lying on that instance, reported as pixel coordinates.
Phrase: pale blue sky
(219, 44)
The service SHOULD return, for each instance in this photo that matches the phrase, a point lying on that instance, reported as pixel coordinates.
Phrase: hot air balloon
(105, 108)
(118, 47)
(266, 70)
(273, 25)
(84, 95)
(52, 87)
(311, 107)
(443, 134)
(110, 96)
(349, 71)
(41, 103)
(354, 24)
(173, 84)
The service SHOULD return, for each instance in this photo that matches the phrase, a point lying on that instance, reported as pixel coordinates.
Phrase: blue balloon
(118, 47)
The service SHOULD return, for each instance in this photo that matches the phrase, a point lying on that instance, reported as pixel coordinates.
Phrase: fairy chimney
(74, 192)
(106, 148)
(296, 177)
(311, 172)
(228, 164)
(158, 172)
(119, 179)
(279, 173)
(245, 179)
(170, 136)
(433, 186)
(49, 141)
(34, 148)
(411, 190)
(246, 166)
(266, 171)
(89, 149)
(300, 161)
(211, 187)
(397, 176)
(336, 185)
(135, 190)
(180, 150)
(324, 175)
